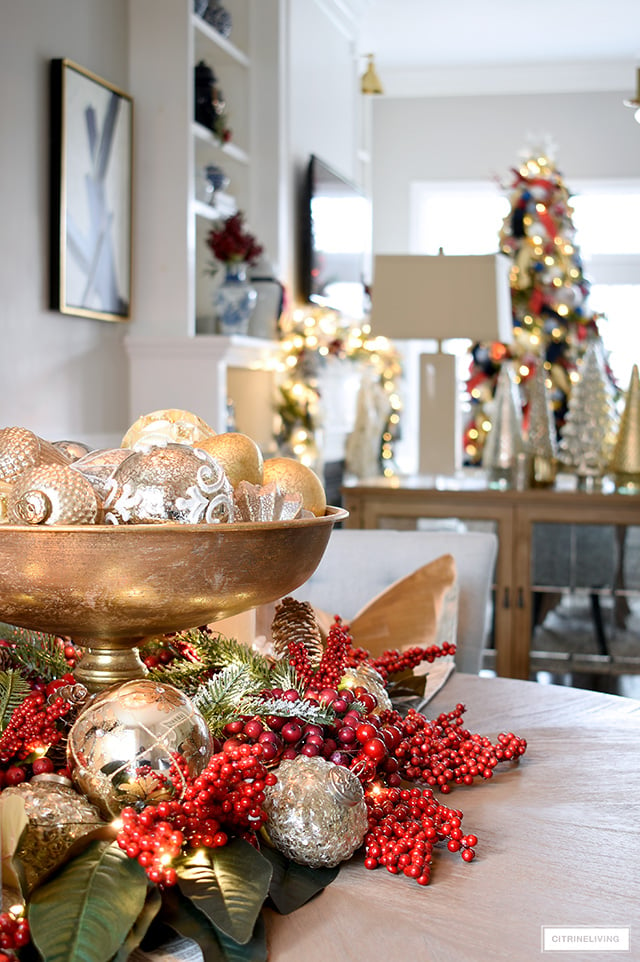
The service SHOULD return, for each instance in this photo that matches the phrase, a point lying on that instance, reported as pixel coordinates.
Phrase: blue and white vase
(234, 300)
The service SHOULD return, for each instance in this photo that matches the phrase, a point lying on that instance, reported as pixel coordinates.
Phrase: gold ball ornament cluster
(171, 467)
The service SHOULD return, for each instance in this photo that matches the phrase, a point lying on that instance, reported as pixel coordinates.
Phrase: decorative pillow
(419, 609)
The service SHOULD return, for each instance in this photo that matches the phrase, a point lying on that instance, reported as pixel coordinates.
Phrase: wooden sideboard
(400, 502)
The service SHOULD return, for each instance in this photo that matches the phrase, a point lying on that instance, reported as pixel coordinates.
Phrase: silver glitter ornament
(121, 748)
(98, 466)
(169, 483)
(317, 814)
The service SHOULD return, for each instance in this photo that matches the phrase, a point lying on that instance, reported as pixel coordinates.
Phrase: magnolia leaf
(13, 821)
(140, 927)
(291, 884)
(185, 918)
(255, 950)
(84, 913)
(229, 885)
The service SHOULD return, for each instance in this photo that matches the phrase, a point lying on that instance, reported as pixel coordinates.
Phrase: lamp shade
(439, 297)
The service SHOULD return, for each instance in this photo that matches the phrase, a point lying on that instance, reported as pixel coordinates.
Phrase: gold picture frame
(91, 194)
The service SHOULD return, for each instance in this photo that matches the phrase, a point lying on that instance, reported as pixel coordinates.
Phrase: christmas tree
(551, 322)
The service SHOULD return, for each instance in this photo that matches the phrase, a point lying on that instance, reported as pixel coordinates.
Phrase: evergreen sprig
(35, 653)
(305, 710)
(13, 690)
(218, 701)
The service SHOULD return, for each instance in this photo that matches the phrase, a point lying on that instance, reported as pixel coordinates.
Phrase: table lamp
(419, 297)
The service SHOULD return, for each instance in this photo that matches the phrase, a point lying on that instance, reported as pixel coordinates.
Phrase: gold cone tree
(625, 463)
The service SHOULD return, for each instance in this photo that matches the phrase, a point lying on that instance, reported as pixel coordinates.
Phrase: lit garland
(310, 336)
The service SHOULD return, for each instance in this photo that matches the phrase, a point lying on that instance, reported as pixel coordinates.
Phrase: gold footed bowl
(109, 586)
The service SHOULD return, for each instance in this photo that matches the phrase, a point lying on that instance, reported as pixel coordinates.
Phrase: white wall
(62, 377)
(478, 138)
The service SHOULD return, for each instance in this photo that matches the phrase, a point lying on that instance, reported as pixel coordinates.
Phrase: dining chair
(358, 564)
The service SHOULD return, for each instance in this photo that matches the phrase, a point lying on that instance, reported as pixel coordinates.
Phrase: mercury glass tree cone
(109, 586)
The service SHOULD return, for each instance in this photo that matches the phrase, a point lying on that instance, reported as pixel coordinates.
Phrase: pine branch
(39, 654)
(218, 701)
(283, 675)
(306, 710)
(188, 676)
(13, 690)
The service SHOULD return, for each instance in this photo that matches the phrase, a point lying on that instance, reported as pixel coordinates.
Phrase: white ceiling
(561, 44)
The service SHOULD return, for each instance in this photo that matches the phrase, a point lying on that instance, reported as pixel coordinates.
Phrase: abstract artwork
(91, 173)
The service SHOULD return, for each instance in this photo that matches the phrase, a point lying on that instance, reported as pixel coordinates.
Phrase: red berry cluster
(14, 934)
(404, 827)
(394, 662)
(441, 751)
(332, 664)
(32, 727)
(226, 798)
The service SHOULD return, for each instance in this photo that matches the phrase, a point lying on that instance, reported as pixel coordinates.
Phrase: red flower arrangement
(232, 243)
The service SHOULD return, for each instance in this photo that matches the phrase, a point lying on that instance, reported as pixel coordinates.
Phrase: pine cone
(295, 621)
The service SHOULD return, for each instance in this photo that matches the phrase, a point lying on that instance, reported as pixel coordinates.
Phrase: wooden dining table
(558, 847)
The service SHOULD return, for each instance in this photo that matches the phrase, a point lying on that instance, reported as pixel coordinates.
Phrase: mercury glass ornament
(170, 425)
(53, 494)
(170, 483)
(98, 466)
(369, 678)
(57, 814)
(21, 449)
(317, 814)
(121, 748)
(254, 502)
(72, 450)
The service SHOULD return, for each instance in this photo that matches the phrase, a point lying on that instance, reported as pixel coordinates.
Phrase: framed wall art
(91, 179)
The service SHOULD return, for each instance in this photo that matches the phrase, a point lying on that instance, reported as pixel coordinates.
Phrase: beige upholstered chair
(359, 564)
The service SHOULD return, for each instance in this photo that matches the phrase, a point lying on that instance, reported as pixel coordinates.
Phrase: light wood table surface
(559, 845)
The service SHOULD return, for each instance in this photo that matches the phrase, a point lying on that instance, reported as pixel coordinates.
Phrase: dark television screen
(336, 241)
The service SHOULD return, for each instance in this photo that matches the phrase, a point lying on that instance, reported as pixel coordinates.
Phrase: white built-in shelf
(205, 36)
(205, 136)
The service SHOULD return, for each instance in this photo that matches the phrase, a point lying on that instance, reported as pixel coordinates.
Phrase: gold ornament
(53, 494)
(266, 503)
(238, 454)
(21, 449)
(170, 425)
(317, 814)
(56, 816)
(625, 463)
(172, 483)
(121, 748)
(295, 478)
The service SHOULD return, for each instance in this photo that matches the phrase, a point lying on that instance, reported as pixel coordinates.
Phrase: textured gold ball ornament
(239, 455)
(53, 494)
(171, 425)
(172, 483)
(21, 449)
(295, 478)
(57, 815)
(317, 814)
(121, 748)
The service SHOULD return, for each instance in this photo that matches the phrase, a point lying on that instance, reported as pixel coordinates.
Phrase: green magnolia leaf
(255, 950)
(185, 918)
(141, 925)
(291, 884)
(229, 885)
(84, 913)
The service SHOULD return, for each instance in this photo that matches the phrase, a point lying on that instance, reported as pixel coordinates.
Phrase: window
(465, 217)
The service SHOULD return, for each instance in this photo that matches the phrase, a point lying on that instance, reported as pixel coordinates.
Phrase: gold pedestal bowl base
(108, 587)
